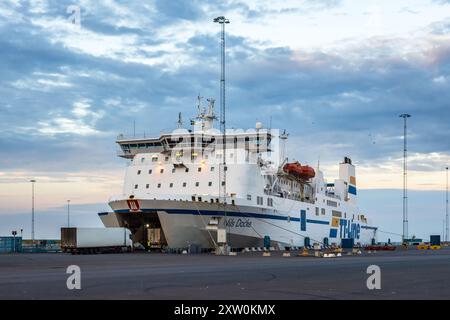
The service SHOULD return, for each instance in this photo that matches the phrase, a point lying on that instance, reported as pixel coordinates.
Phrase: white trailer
(95, 240)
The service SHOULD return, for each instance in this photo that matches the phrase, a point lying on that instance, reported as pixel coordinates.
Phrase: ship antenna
(223, 21)
(199, 105)
(180, 121)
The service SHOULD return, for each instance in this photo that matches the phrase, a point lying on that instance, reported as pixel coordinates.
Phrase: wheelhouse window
(139, 172)
(150, 171)
(249, 197)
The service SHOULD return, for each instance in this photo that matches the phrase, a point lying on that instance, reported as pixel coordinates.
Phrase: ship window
(147, 186)
(212, 169)
(317, 211)
(139, 172)
(136, 186)
(323, 211)
(187, 170)
(166, 159)
(154, 158)
(159, 185)
(142, 159)
(171, 185)
(173, 170)
(335, 213)
(199, 169)
(161, 171)
(226, 168)
(270, 202)
(223, 183)
(209, 184)
(249, 197)
(184, 184)
(197, 184)
(259, 200)
(150, 171)
(332, 203)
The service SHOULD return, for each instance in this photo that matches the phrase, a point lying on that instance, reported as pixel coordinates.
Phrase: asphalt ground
(410, 274)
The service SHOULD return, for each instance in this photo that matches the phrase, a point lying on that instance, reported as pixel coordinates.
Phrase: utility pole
(222, 169)
(68, 213)
(32, 210)
(446, 206)
(405, 116)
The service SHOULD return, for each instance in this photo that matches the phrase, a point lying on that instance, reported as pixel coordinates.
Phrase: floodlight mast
(405, 116)
(222, 169)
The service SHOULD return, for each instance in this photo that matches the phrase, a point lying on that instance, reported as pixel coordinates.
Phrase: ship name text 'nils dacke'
(172, 192)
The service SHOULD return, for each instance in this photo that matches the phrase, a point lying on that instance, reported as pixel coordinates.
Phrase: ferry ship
(189, 188)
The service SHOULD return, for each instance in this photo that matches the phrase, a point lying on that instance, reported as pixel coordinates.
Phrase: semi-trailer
(95, 240)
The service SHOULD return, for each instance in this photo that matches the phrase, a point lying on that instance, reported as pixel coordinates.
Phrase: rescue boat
(299, 171)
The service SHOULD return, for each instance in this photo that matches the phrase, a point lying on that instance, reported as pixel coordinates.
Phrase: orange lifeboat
(299, 171)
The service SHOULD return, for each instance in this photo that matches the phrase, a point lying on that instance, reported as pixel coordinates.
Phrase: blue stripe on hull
(229, 214)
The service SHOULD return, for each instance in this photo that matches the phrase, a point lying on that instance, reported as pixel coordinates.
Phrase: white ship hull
(188, 222)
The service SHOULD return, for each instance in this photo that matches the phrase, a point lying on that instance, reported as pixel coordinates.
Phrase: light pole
(68, 213)
(446, 206)
(222, 173)
(32, 210)
(405, 116)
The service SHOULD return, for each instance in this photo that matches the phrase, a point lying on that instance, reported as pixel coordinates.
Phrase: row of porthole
(199, 169)
(171, 185)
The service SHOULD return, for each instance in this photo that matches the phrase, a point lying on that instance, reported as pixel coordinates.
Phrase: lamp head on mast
(221, 19)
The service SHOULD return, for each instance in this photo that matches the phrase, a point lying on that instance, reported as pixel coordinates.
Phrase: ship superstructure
(172, 191)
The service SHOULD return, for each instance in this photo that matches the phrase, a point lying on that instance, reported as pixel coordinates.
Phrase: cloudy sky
(335, 74)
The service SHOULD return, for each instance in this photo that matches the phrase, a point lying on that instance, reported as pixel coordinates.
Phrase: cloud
(66, 92)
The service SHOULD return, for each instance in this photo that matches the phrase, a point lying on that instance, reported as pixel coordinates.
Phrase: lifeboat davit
(299, 171)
